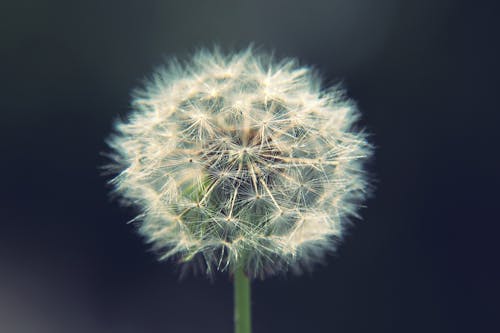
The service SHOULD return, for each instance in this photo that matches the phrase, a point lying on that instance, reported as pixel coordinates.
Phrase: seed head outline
(241, 160)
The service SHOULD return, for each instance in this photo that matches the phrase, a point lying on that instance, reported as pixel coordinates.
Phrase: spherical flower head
(238, 160)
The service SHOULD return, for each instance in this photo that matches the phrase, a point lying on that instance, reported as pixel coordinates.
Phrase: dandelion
(242, 163)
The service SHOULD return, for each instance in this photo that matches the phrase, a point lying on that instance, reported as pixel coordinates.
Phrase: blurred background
(423, 259)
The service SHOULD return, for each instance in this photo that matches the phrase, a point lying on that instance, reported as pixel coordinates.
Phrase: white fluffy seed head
(240, 160)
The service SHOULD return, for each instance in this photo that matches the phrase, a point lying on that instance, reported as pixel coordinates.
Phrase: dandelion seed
(242, 161)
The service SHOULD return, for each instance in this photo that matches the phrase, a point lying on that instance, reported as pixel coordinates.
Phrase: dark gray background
(425, 257)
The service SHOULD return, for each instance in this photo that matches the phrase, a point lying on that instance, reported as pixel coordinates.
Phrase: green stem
(242, 317)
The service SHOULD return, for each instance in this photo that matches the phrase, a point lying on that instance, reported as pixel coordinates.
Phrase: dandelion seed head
(241, 160)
